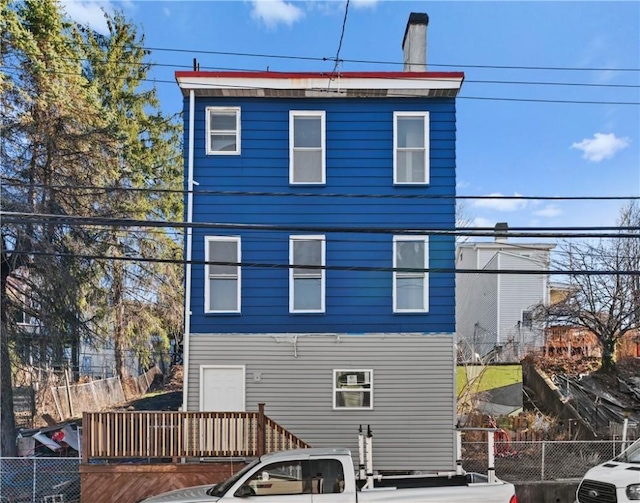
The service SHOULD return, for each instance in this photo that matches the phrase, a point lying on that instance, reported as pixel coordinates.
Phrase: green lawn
(490, 376)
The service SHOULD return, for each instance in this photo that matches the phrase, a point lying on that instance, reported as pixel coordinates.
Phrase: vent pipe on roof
(414, 43)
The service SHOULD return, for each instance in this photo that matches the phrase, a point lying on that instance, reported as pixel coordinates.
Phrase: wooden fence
(123, 435)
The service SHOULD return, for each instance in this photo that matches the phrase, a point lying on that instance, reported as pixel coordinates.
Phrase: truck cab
(617, 480)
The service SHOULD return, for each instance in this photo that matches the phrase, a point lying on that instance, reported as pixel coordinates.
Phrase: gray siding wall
(413, 412)
(519, 293)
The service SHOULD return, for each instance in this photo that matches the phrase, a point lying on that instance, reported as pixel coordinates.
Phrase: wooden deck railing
(120, 435)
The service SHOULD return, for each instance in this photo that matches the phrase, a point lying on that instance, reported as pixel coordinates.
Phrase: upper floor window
(411, 147)
(222, 273)
(307, 147)
(306, 284)
(223, 131)
(411, 286)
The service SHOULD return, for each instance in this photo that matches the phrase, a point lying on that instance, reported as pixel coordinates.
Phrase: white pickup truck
(327, 475)
(617, 480)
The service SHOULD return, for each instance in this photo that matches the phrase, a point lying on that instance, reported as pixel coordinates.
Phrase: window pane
(223, 294)
(353, 379)
(307, 132)
(307, 294)
(222, 121)
(410, 254)
(223, 143)
(410, 293)
(353, 399)
(279, 479)
(307, 253)
(307, 166)
(410, 166)
(223, 251)
(410, 132)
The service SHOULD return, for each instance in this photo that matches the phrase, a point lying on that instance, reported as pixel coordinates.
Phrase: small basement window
(352, 389)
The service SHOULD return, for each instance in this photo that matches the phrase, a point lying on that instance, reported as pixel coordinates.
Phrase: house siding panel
(477, 308)
(413, 388)
(359, 161)
(519, 292)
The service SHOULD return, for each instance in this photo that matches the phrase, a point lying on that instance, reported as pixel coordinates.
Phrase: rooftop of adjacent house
(321, 84)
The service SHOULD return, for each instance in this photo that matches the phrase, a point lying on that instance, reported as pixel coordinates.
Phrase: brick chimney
(414, 43)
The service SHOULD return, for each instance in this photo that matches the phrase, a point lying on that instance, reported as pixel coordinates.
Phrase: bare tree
(603, 295)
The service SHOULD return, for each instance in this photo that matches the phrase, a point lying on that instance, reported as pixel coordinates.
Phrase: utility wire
(14, 183)
(516, 232)
(381, 62)
(344, 24)
(393, 95)
(466, 80)
(270, 265)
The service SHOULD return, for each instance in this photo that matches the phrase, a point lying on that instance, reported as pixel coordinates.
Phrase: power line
(381, 62)
(271, 265)
(515, 232)
(466, 80)
(394, 95)
(344, 24)
(318, 194)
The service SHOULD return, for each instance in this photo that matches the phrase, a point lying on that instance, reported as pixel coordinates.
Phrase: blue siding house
(315, 281)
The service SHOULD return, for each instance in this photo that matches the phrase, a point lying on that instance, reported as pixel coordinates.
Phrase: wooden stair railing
(174, 435)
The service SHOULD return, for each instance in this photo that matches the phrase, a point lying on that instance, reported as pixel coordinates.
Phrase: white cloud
(501, 204)
(273, 12)
(166, 11)
(601, 146)
(483, 222)
(364, 3)
(549, 211)
(89, 13)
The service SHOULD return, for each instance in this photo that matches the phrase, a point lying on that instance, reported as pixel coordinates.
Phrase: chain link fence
(39, 480)
(540, 460)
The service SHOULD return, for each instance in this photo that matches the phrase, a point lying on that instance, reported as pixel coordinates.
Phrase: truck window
(277, 479)
(317, 476)
(325, 475)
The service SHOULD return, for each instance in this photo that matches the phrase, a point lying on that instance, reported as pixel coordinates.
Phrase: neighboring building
(289, 303)
(494, 317)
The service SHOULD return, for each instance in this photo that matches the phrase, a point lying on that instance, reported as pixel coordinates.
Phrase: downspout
(188, 252)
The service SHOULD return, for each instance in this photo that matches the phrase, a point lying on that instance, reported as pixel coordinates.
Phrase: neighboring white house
(493, 311)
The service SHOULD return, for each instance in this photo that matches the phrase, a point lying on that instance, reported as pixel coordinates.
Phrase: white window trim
(208, 130)
(207, 285)
(425, 276)
(336, 389)
(323, 145)
(322, 272)
(427, 164)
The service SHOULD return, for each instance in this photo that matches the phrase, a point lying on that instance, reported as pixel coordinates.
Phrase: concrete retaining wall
(547, 491)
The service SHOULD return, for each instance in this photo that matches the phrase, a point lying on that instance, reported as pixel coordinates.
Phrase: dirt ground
(165, 393)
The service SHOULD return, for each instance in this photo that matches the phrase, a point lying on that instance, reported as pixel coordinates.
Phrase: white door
(222, 388)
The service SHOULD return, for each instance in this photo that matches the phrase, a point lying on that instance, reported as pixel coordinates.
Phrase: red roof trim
(320, 75)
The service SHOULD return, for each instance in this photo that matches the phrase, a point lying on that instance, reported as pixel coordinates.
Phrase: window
(306, 285)
(307, 147)
(309, 476)
(411, 148)
(353, 389)
(222, 287)
(223, 127)
(527, 319)
(411, 287)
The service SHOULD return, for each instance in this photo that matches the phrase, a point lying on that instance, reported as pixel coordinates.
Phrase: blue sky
(505, 146)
